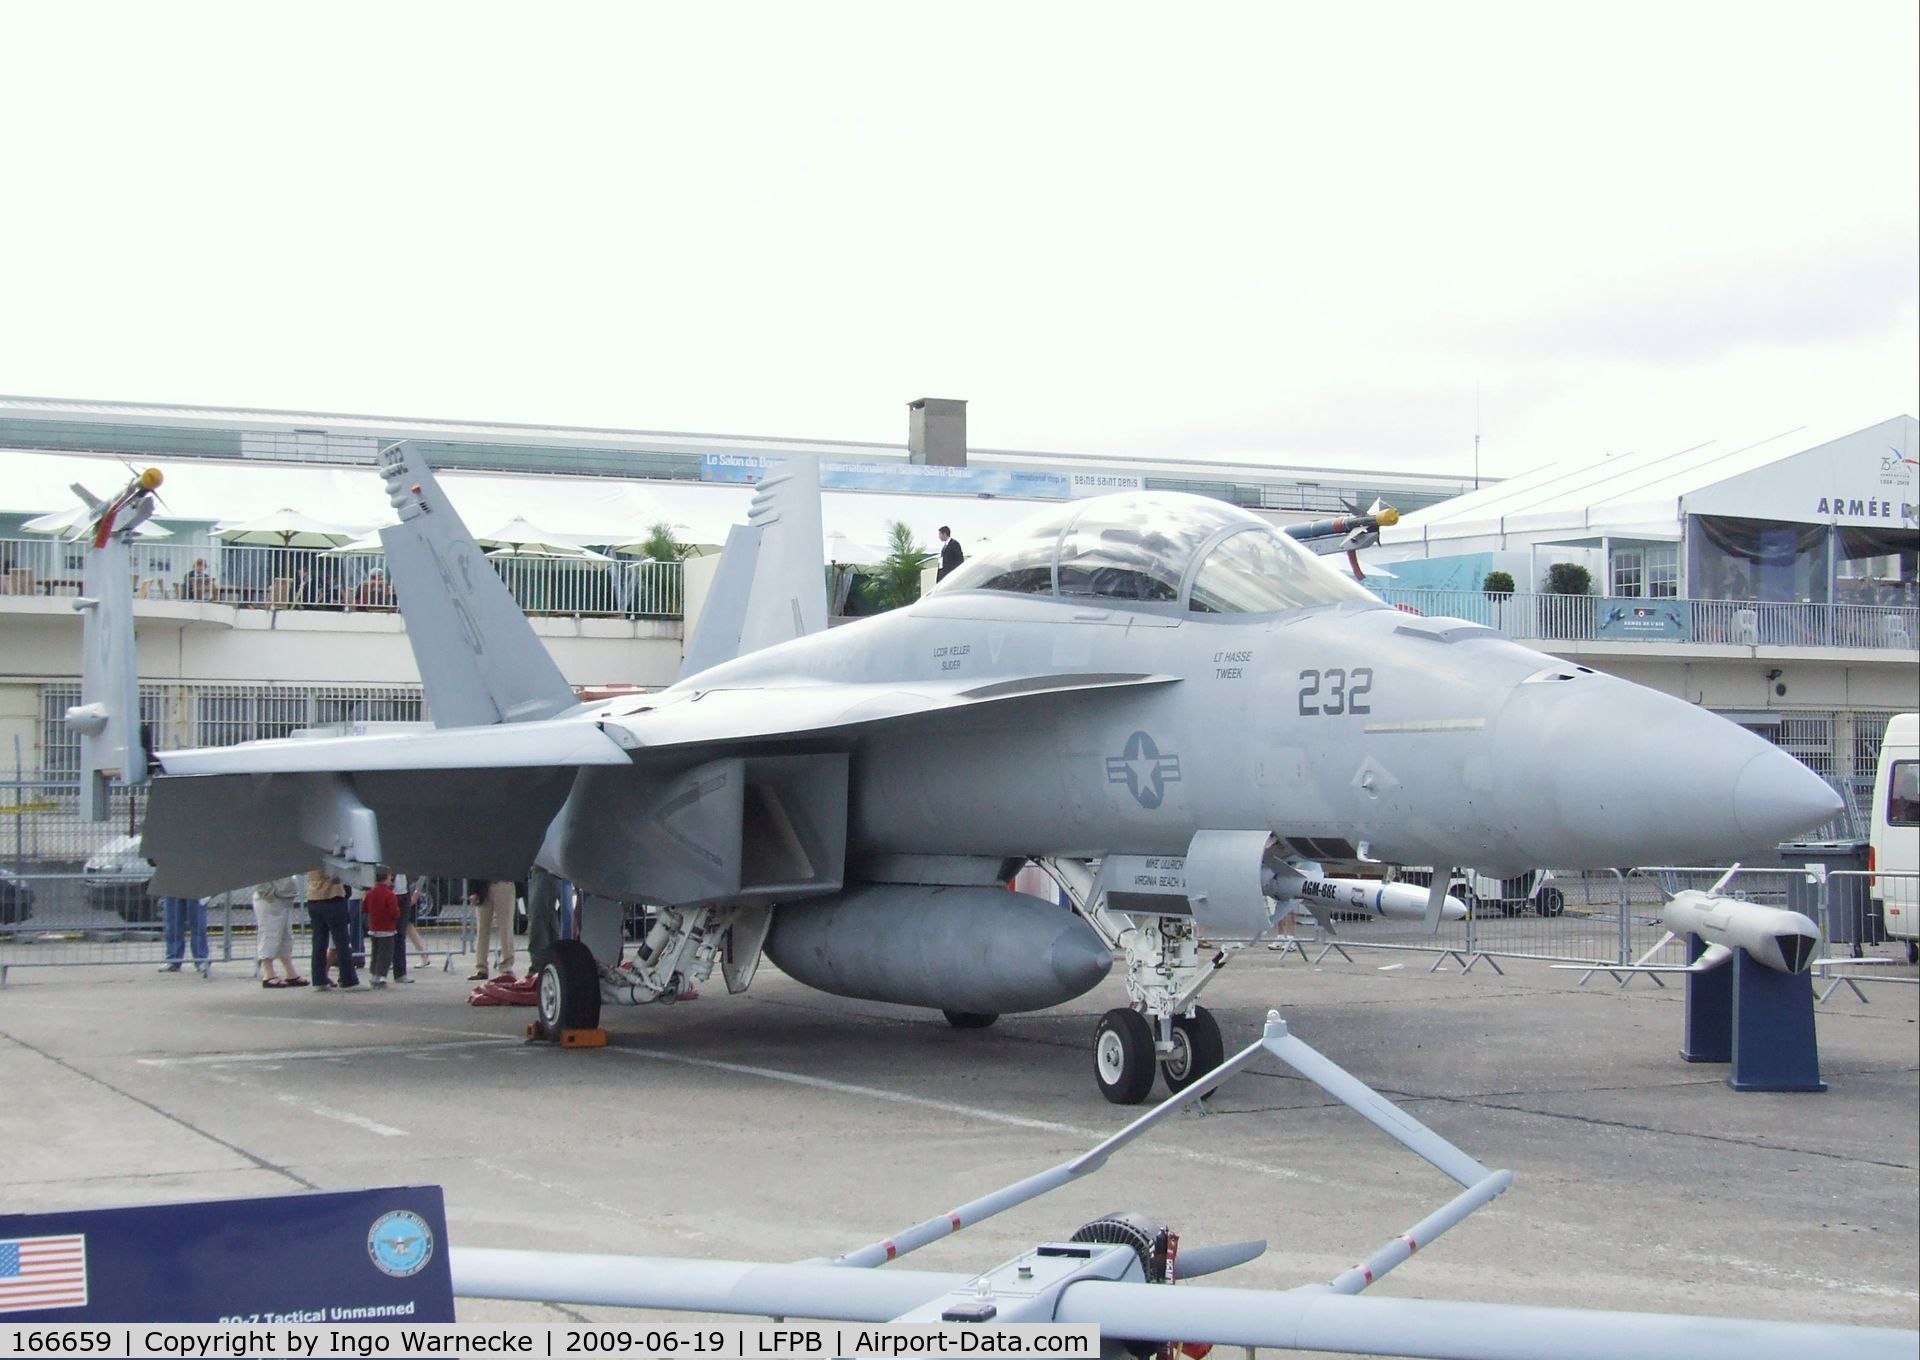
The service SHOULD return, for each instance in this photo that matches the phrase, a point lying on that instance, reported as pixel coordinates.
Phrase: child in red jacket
(383, 924)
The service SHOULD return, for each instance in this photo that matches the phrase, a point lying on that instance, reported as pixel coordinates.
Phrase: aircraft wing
(669, 720)
(502, 746)
(476, 801)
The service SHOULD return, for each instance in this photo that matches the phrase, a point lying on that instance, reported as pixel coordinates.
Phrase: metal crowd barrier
(1559, 916)
(1846, 921)
(47, 920)
(1608, 920)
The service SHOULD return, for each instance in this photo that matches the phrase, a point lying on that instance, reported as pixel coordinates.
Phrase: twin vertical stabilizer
(772, 585)
(480, 660)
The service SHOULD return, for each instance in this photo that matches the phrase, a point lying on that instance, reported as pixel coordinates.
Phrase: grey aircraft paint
(1127, 676)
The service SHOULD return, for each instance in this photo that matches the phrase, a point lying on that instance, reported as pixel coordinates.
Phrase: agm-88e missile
(1395, 901)
(1782, 940)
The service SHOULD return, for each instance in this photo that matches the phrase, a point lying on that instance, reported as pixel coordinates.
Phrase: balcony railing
(1740, 623)
(303, 578)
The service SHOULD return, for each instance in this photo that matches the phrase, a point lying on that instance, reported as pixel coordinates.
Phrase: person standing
(543, 916)
(493, 903)
(383, 927)
(950, 554)
(327, 915)
(186, 916)
(407, 887)
(273, 904)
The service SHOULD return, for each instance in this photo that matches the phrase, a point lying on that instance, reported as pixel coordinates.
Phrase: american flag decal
(43, 1272)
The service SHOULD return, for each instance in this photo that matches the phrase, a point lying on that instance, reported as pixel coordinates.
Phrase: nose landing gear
(1163, 1028)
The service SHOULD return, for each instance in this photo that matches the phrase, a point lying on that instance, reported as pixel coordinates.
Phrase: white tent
(1864, 479)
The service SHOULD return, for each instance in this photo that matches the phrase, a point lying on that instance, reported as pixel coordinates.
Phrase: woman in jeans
(327, 913)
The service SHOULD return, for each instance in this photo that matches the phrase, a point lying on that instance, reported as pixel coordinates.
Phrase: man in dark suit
(950, 554)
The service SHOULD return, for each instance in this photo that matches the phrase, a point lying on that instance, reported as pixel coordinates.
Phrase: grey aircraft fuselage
(1337, 726)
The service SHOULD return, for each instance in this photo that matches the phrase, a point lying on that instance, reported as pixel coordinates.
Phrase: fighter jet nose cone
(1776, 798)
(1080, 958)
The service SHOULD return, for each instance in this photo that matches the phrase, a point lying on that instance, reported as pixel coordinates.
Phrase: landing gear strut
(1163, 1028)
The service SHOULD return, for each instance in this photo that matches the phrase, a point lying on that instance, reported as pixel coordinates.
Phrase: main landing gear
(569, 996)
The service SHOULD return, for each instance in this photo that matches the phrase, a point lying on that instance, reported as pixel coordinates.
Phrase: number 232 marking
(1346, 692)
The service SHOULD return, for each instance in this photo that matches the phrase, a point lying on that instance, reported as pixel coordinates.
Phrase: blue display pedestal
(1774, 1048)
(1709, 1036)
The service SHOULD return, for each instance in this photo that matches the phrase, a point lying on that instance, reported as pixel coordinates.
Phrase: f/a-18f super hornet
(1179, 712)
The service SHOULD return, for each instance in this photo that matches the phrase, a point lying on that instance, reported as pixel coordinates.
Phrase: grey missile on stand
(1749, 987)
(1784, 941)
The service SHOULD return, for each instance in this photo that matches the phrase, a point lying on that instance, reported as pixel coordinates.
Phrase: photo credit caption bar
(239, 1340)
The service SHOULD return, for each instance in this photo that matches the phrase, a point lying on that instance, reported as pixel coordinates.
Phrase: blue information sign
(329, 1256)
(1664, 620)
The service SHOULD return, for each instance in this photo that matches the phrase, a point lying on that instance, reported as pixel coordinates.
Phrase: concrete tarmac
(784, 1124)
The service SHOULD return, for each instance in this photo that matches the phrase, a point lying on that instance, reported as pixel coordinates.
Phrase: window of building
(1663, 571)
(1629, 573)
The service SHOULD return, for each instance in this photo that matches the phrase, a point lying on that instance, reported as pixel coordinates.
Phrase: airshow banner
(912, 478)
(1636, 619)
(324, 1257)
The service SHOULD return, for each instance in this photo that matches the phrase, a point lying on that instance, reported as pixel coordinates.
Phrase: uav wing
(1330, 1317)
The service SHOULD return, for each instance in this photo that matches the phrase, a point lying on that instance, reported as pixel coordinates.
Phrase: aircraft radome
(1163, 700)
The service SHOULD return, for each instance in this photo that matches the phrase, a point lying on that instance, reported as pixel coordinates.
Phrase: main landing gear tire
(969, 1019)
(569, 990)
(1197, 1049)
(1123, 1059)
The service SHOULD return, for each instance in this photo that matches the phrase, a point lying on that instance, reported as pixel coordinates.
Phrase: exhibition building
(1773, 583)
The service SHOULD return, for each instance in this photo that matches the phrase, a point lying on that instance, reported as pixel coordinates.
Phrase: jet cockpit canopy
(1187, 552)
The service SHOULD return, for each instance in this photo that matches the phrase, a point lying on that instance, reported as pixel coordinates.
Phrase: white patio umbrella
(850, 552)
(519, 538)
(284, 528)
(363, 546)
(79, 520)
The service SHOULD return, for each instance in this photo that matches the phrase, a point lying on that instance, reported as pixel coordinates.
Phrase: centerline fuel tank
(982, 950)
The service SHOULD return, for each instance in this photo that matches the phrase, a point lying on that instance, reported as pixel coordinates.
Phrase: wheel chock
(572, 1038)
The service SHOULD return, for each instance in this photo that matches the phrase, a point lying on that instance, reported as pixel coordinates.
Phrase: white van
(1893, 841)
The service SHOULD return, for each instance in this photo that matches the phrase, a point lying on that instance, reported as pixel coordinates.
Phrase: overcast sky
(1288, 232)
